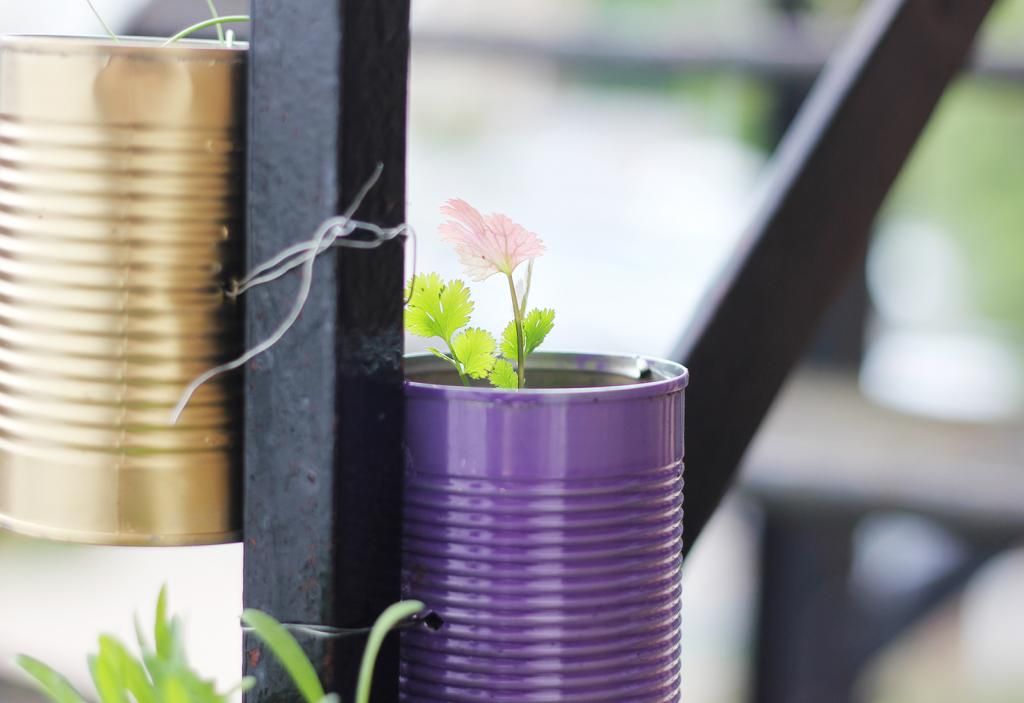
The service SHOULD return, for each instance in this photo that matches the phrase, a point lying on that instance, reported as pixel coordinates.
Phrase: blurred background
(873, 547)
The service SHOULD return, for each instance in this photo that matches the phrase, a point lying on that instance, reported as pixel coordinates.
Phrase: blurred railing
(778, 51)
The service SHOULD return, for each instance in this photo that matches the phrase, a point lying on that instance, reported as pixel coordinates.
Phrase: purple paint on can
(543, 527)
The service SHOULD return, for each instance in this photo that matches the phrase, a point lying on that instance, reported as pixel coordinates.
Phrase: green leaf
(509, 345)
(159, 671)
(164, 635)
(124, 671)
(199, 691)
(120, 677)
(436, 308)
(536, 326)
(174, 691)
(107, 679)
(288, 651)
(392, 616)
(456, 306)
(424, 295)
(474, 349)
(58, 688)
(137, 683)
(503, 375)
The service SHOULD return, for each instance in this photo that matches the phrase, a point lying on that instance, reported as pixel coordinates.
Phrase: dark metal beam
(828, 179)
(323, 438)
(839, 341)
(803, 612)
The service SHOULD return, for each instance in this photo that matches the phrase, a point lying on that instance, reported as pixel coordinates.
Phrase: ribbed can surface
(121, 201)
(543, 527)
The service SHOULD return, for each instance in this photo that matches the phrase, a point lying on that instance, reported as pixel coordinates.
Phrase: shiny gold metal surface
(121, 198)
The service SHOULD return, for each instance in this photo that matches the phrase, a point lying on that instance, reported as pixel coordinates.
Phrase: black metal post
(839, 340)
(323, 425)
(799, 651)
(830, 177)
(804, 607)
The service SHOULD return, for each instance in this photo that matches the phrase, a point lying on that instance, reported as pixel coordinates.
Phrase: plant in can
(486, 245)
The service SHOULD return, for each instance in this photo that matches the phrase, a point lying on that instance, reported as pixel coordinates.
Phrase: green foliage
(213, 13)
(436, 308)
(439, 309)
(509, 341)
(115, 671)
(442, 309)
(103, 23)
(212, 22)
(536, 326)
(474, 349)
(288, 651)
(298, 666)
(165, 631)
(55, 686)
(160, 675)
(504, 375)
(216, 20)
(388, 620)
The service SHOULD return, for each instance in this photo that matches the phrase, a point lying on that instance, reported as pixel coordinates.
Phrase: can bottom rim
(115, 539)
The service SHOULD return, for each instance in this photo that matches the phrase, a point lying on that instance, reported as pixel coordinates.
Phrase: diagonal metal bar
(324, 407)
(828, 179)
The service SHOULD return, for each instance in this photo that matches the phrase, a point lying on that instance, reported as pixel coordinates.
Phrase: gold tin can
(121, 201)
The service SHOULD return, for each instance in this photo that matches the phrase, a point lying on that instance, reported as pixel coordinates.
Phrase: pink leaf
(487, 245)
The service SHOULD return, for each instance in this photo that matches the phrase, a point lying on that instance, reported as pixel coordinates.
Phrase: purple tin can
(543, 528)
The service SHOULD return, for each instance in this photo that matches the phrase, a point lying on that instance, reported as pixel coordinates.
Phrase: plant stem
(529, 280)
(388, 620)
(215, 15)
(520, 338)
(212, 22)
(462, 376)
(457, 363)
(106, 27)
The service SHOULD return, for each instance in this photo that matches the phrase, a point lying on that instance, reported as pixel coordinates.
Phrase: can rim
(651, 377)
(140, 47)
(123, 538)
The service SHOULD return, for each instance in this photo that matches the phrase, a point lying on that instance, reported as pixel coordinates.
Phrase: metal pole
(324, 408)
